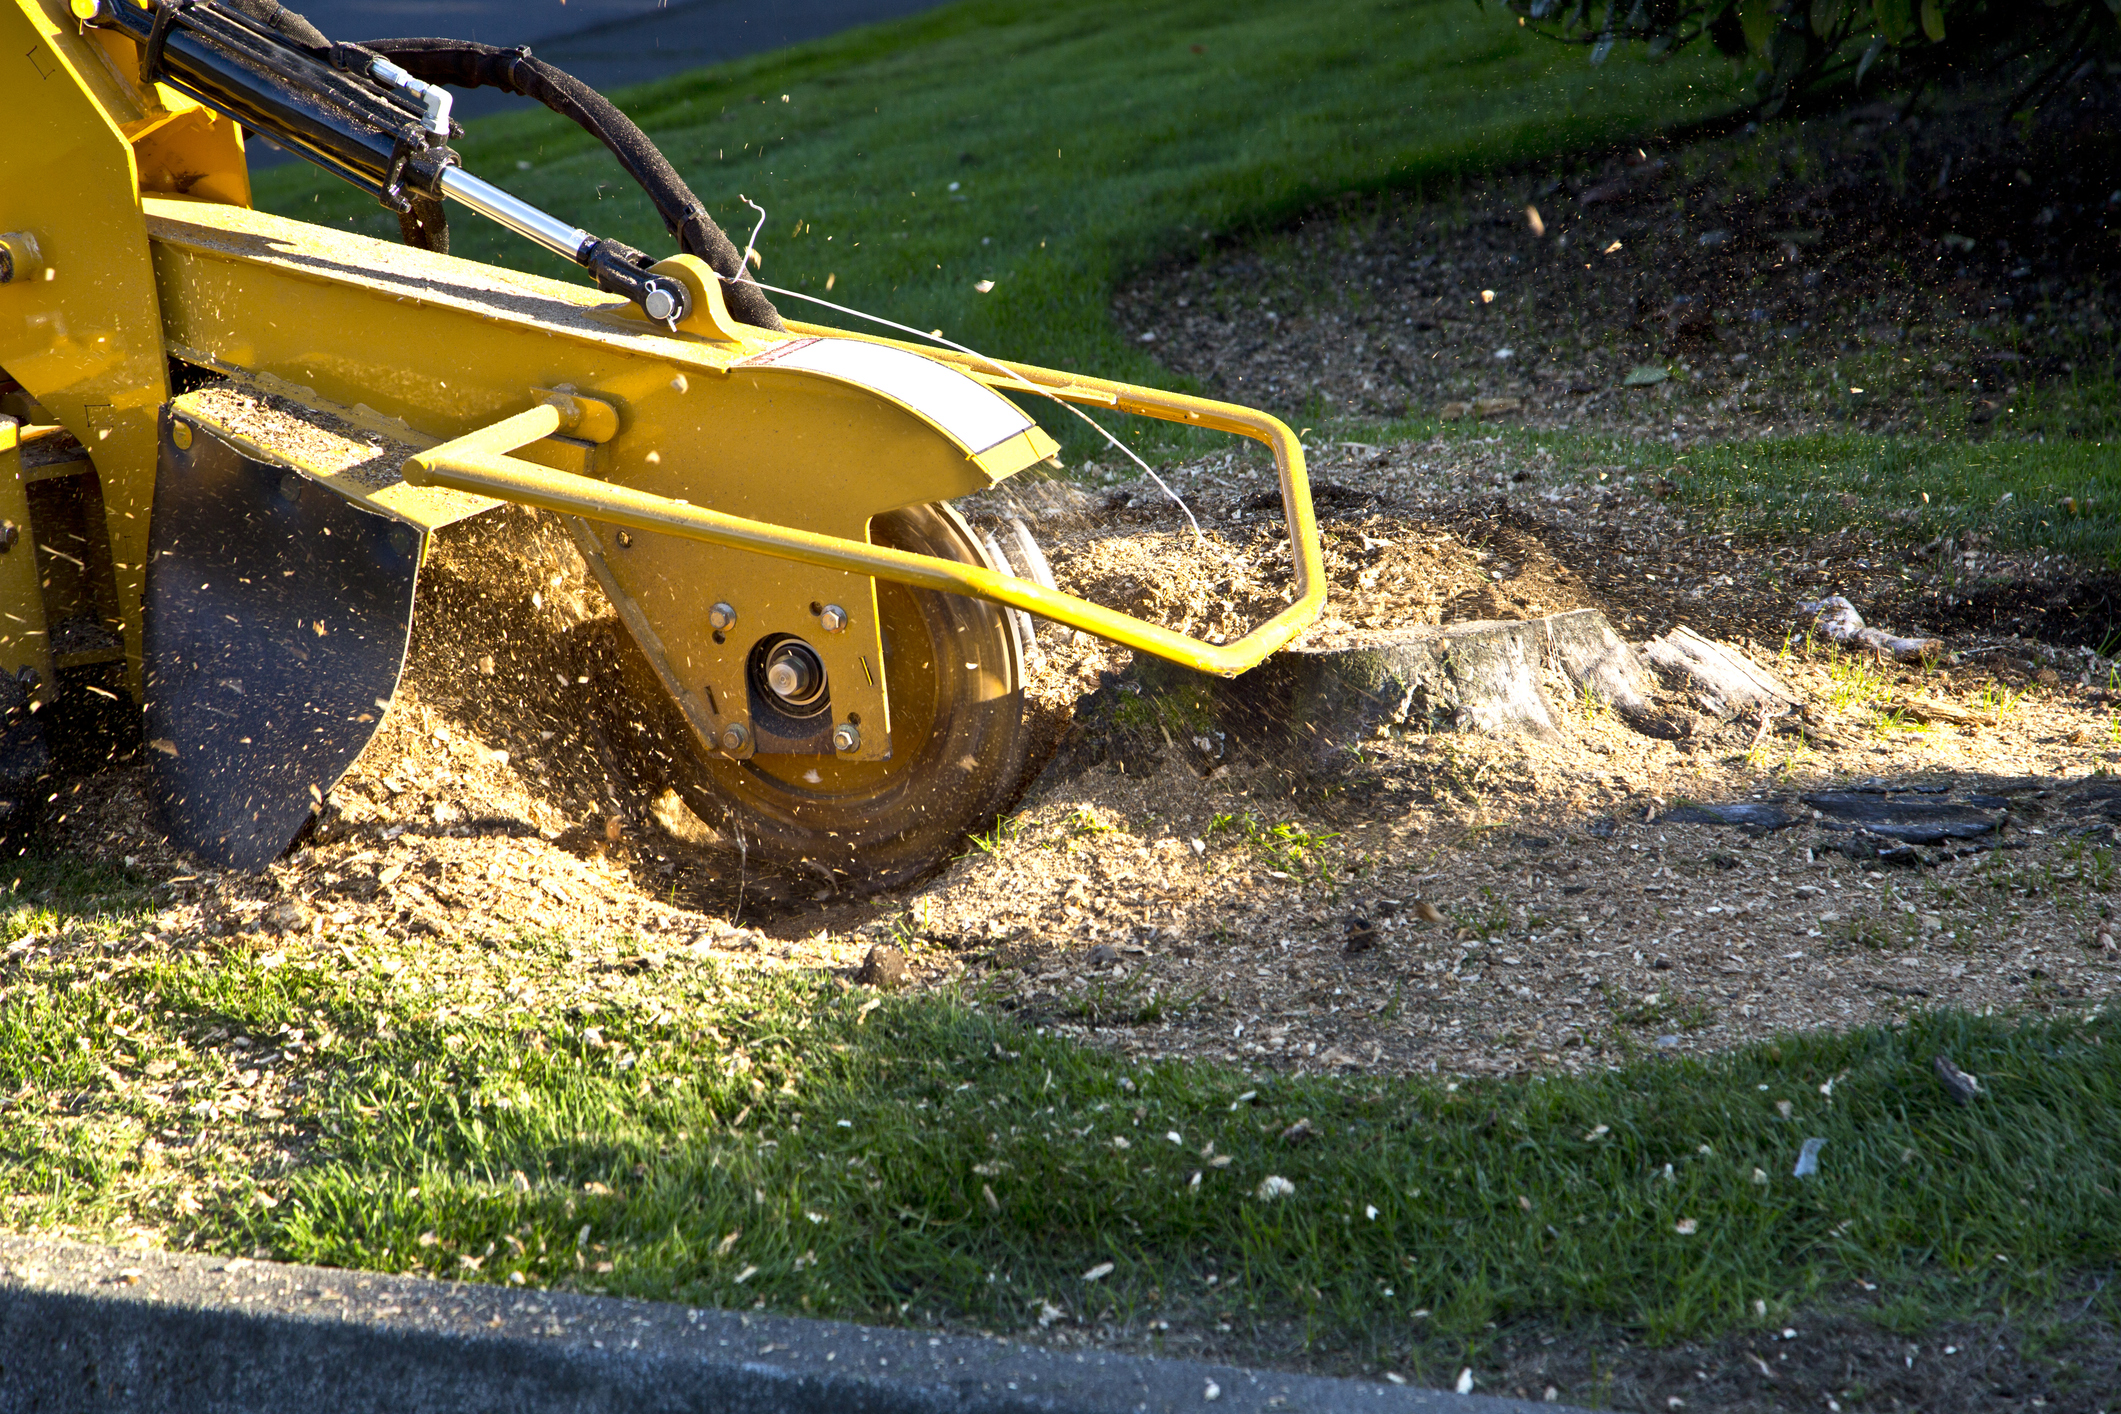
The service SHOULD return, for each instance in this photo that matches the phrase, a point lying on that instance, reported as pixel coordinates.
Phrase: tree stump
(1314, 704)
(1723, 680)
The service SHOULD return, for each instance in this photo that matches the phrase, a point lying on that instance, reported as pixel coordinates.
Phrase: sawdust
(1252, 911)
(1255, 915)
(305, 434)
(1385, 569)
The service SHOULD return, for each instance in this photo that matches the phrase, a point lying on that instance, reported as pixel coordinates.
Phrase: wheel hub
(794, 674)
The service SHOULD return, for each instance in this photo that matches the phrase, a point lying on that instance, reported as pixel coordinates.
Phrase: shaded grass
(734, 1138)
(1050, 150)
(2061, 495)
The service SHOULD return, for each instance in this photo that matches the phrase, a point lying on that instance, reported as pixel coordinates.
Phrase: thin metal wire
(936, 336)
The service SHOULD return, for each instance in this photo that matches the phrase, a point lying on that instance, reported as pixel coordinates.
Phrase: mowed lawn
(732, 1136)
(1048, 149)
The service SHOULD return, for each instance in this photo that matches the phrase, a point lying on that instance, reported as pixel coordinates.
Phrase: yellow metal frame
(137, 200)
(482, 463)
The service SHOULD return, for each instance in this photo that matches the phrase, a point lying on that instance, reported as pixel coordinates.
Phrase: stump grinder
(229, 436)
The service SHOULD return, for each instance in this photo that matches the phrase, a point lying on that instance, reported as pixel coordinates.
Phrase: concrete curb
(100, 1328)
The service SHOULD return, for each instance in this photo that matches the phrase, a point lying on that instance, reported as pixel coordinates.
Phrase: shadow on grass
(734, 1137)
(922, 1161)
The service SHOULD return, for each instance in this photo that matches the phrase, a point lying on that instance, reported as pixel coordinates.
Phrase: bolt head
(721, 616)
(846, 737)
(832, 619)
(735, 737)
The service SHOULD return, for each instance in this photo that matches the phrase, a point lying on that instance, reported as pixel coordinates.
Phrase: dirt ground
(1871, 270)
(1440, 901)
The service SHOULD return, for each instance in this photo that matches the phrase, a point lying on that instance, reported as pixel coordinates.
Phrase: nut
(846, 737)
(735, 737)
(832, 618)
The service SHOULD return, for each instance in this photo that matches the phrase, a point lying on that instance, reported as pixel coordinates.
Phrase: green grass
(1051, 150)
(2061, 495)
(1086, 143)
(736, 1138)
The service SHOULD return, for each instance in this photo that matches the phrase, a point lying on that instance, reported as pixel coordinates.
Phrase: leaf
(1870, 57)
(1933, 21)
(1645, 374)
(1759, 19)
(1896, 18)
(1826, 15)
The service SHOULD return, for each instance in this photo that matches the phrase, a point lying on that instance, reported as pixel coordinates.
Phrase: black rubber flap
(276, 621)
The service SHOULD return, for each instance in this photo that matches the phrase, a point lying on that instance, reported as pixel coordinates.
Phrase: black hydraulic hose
(241, 63)
(462, 64)
(277, 17)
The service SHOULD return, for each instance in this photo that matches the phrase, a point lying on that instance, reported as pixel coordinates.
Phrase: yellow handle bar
(479, 462)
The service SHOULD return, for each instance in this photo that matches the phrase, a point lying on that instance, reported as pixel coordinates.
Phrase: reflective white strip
(970, 412)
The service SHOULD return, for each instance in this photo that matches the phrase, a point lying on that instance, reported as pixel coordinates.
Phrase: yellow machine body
(725, 477)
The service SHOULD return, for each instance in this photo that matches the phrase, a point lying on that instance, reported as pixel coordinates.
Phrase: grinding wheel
(952, 668)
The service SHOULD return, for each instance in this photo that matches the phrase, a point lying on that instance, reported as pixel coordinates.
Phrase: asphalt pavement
(605, 43)
(126, 1331)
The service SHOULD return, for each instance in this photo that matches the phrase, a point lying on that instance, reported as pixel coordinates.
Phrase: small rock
(884, 967)
(2048, 677)
(1424, 910)
(1298, 1132)
(1962, 1087)
(1362, 935)
(1662, 963)
(1103, 955)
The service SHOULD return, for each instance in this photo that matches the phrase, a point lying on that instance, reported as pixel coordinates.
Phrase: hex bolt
(735, 737)
(794, 674)
(721, 617)
(846, 737)
(832, 618)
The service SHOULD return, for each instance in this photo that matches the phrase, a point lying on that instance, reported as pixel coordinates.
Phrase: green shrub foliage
(1799, 48)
